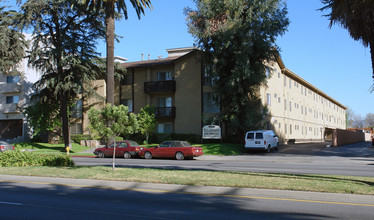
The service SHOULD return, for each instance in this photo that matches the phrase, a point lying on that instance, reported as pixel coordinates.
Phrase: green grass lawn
(307, 182)
(45, 148)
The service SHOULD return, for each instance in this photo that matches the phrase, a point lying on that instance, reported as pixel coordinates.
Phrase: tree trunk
(109, 22)
(65, 119)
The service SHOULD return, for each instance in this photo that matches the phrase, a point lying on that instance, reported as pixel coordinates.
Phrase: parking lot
(363, 149)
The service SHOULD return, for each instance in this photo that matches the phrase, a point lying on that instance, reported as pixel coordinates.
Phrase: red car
(126, 149)
(170, 149)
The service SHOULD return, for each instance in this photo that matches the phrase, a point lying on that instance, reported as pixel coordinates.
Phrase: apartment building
(183, 96)
(15, 92)
(297, 109)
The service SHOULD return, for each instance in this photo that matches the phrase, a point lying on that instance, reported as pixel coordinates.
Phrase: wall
(188, 95)
(343, 137)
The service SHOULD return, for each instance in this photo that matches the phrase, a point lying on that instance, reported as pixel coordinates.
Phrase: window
(302, 90)
(290, 83)
(259, 135)
(290, 129)
(209, 77)
(285, 104)
(164, 128)
(76, 128)
(127, 79)
(285, 81)
(251, 136)
(279, 75)
(12, 79)
(12, 99)
(290, 105)
(267, 72)
(77, 109)
(279, 100)
(128, 103)
(162, 76)
(268, 99)
(164, 102)
(285, 128)
(210, 105)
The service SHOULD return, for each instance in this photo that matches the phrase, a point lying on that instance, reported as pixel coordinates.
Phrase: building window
(162, 76)
(285, 81)
(12, 79)
(209, 103)
(76, 128)
(290, 106)
(164, 102)
(267, 72)
(302, 89)
(77, 110)
(268, 99)
(164, 128)
(285, 104)
(12, 99)
(128, 103)
(279, 100)
(290, 83)
(290, 129)
(127, 79)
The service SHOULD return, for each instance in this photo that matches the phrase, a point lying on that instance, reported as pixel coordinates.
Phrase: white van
(261, 140)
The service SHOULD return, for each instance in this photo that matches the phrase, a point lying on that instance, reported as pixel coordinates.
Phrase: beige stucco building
(183, 97)
(297, 109)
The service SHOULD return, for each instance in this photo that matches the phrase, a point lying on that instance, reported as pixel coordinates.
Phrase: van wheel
(268, 149)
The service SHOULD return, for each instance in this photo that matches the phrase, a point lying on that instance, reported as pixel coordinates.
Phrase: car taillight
(264, 142)
(1, 147)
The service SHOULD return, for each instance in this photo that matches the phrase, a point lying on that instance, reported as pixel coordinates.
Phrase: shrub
(24, 159)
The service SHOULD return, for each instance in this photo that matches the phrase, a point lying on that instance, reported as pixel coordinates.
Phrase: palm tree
(357, 16)
(109, 7)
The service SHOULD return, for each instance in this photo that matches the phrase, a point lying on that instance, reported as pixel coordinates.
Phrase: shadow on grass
(41, 147)
(222, 149)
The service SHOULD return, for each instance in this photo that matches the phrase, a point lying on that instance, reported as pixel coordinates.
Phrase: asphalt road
(352, 160)
(58, 198)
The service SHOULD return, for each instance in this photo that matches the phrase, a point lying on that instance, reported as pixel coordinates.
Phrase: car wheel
(101, 154)
(268, 149)
(179, 155)
(127, 155)
(148, 155)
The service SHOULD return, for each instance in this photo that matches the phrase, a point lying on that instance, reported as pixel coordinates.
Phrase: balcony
(165, 112)
(159, 86)
(10, 88)
(10, 108)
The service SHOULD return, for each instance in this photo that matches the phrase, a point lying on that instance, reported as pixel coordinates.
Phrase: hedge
(25, 159)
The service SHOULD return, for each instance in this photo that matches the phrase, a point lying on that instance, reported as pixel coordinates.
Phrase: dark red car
(171, 149)
(126, 149)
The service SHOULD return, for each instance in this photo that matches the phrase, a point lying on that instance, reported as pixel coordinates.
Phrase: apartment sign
(211, 132)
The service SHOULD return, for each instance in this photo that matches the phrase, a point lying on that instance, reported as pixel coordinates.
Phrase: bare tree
(369, 120)
(358, 121)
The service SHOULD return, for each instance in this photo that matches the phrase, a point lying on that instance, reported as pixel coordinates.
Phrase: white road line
(10, 203)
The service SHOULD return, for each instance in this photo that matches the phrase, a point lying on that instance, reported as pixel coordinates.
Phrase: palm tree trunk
(109, 22)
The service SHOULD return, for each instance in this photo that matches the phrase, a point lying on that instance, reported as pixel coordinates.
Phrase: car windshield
(134, 144)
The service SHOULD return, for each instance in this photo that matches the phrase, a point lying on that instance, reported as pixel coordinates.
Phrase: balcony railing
(10, 88)
(10, 108)
(165, 112)
(159, 86)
